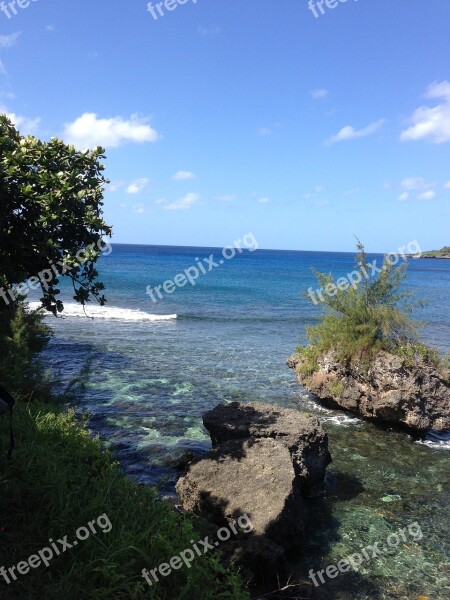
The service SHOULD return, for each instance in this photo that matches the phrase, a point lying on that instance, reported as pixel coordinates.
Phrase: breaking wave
(111, 313)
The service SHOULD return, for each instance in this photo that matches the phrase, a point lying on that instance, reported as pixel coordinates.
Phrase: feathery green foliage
(366, 318)
(23, 335)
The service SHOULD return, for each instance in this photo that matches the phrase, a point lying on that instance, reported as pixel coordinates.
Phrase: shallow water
(381, 481)
(147, 383)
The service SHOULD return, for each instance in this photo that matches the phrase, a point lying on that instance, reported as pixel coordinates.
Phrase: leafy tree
(51, 225)
(51, 198)
(364, 318)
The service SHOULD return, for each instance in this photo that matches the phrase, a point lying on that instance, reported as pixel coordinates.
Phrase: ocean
(146, 372)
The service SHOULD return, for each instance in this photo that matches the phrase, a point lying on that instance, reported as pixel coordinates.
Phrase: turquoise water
(147, 383)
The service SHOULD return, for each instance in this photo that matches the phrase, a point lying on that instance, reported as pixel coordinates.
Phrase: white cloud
(415, 183)
(184, 203)
(183, 176)
(137, 186)
(50, 27)
(25, 125)
(6, 41)
(431, 123)
(226, 198)
(137, 209)
(317, 190)
(447, 185)
(115, 185)
(321, 203)
(3, 70)
(351, 192)
(89, 131)
(160, 201)
(263, 200)
(319, 93)
(350, 133)
(429, 195)
(425, 189)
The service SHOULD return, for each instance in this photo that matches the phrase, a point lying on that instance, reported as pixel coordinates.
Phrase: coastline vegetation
(442, 253)
(366, 319)
(52, 199)
(60, 477)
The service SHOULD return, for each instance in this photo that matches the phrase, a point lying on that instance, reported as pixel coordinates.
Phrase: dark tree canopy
(51, 198)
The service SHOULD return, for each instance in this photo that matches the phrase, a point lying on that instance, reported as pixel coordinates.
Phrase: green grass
(60, 479)
(336, 387)
(412, 352)
(309, 360)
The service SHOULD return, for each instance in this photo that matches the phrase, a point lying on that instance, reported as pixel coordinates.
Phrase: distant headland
(442, 253)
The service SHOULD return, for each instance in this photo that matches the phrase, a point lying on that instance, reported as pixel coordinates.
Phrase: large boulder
(254, 477)
(302, 434)
(415, 395)
(264, 460)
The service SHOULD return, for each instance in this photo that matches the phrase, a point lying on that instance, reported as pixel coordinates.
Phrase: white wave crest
(439, 440)
(111, 313)
(436, 445)
(329, 415)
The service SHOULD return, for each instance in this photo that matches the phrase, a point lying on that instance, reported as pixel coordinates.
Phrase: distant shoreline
(436, 256)
(442, 253)
(415, 257)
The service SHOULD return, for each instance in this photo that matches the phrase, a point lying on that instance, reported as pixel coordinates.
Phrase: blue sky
(221, 118)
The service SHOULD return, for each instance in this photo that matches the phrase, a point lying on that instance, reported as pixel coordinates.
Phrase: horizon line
(265, 249)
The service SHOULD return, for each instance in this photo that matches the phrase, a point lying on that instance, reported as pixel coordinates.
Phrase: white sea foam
(329, 415)
(444, 445)
(341, 419)
(436, 439)
(111, 313)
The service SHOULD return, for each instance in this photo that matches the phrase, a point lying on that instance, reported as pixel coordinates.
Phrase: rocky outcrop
(415, 395)
(300, 433)
(254, 477)
(264, 460)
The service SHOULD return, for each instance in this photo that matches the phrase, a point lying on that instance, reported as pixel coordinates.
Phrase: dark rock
(302, 434)
(264, 460)
(254, 477)
(417, 396)
(257, 557)
(181, 462)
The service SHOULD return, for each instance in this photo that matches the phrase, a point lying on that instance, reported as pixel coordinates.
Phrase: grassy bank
(59, 480)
